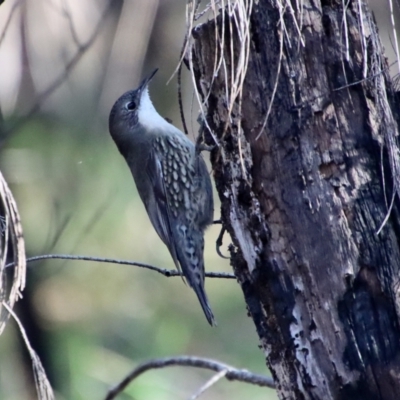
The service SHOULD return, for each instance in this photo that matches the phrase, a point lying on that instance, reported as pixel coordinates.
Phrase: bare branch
(67, 14)
(218, 376)
(67, 70)
(232, 374)
(71, 64)
(163, 271)
(10, 16)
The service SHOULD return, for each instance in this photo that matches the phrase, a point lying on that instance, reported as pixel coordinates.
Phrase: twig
(232, 374)
(180, 101)
(208, 384)
(368, 78)
(178, 69)
(10, 16)
(67, 14)
(67, 70)
(163, 271)
(74, 60)
(381, 71)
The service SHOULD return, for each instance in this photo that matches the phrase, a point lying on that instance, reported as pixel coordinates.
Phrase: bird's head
(132, 111)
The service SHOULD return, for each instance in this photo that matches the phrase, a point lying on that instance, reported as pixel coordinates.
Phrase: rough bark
(304, 202)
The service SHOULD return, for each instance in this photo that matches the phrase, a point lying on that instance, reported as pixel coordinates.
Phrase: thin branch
(71, 64)
(67, 14)
(10, 16)
(232, 374)
(163, 271)
(214, 379)
(178, 70)
(180, 101)
(368, 78)
(67, 70)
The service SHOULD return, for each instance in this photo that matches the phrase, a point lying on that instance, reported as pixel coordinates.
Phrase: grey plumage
(172, 181)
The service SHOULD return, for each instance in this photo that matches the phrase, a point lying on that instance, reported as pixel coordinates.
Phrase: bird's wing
(157, 205)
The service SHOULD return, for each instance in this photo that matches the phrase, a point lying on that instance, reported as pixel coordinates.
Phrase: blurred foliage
(76, 196)
(92, 323)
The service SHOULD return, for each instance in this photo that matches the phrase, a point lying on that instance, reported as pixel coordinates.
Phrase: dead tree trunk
(303, 202)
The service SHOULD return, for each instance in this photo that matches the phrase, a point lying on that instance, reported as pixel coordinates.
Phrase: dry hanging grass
(231, 63)
(12, 247)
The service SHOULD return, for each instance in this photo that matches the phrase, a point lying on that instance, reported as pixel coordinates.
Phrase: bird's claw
(218, 243)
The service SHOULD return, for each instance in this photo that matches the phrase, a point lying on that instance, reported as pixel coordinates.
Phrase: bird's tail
(201, 294)
(190, 257)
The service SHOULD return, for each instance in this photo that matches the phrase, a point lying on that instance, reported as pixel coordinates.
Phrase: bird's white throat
(148, 116)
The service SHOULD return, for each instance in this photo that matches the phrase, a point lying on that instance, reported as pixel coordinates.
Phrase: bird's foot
(218, 243)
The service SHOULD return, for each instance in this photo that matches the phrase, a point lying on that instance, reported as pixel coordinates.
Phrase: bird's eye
(131, 106)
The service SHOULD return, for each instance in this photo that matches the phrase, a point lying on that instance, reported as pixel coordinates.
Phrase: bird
(172, 181)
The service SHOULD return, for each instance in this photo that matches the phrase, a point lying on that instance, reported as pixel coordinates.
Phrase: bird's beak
(146, 81)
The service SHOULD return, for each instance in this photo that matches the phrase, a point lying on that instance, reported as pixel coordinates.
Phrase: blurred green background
(92, 323)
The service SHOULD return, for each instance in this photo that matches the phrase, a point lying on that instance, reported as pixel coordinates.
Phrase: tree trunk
(303, 203)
